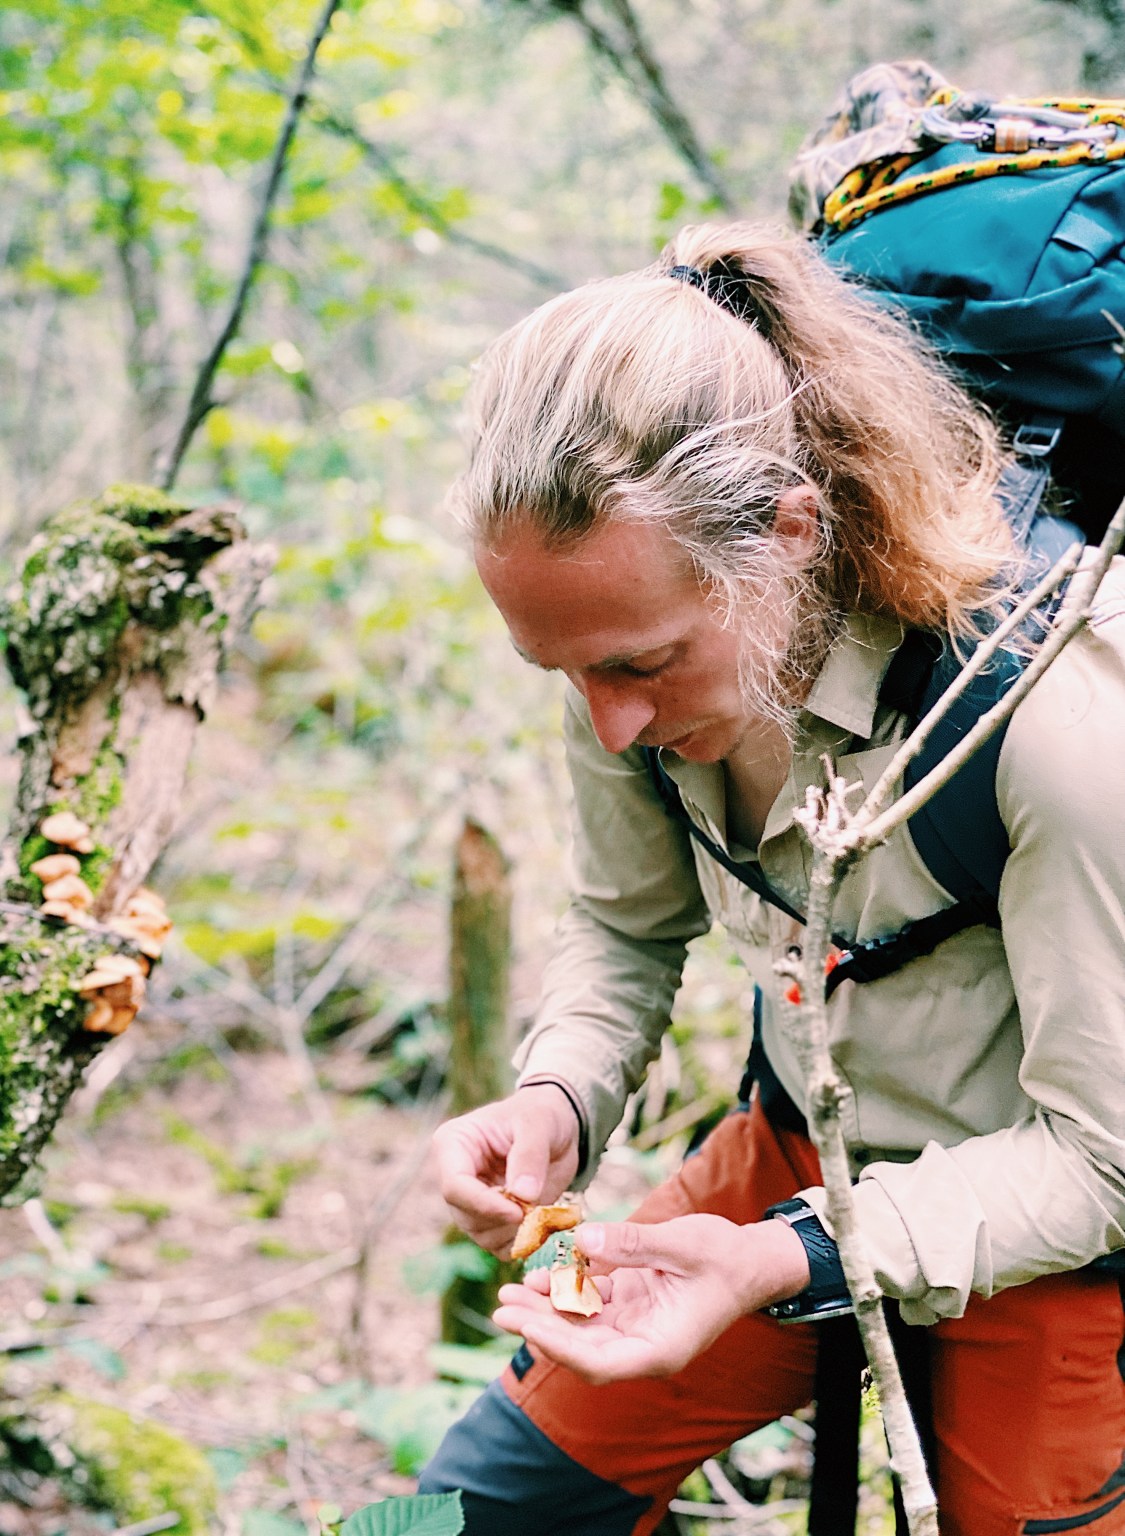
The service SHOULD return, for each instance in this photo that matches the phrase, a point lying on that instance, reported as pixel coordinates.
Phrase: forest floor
(252, 1259)
(217, 1254)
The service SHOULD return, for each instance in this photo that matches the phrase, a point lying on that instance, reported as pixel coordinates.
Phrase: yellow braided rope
(868, 188)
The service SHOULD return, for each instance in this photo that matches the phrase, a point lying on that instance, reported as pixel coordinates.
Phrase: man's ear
(795, 518)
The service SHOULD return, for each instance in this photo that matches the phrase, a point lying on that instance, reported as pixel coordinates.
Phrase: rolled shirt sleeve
(609, 987)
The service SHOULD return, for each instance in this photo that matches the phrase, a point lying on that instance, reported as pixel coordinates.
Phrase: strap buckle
(1036, 439)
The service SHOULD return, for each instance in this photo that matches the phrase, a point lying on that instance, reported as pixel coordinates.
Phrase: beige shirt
(987, 1117)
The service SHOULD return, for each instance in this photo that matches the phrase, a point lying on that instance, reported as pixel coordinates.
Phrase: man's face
(623, 615)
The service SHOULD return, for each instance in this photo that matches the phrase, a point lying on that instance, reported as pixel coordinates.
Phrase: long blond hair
(641, 398)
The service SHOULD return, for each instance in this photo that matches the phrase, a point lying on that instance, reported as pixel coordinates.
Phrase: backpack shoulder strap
(959, 834)
(750, 874)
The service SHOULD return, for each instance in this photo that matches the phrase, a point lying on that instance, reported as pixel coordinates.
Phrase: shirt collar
(846, 690)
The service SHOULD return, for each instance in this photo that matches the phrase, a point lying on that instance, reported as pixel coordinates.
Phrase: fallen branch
(165, 1522)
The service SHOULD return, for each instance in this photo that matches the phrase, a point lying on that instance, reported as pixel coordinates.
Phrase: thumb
(529, 1157)
(635, 1245)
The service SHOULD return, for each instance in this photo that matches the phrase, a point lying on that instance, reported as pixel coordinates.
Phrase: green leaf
(434, 1269)
(411, 1421)
(261, 1522)
(463, 1362)
(104, 1360)
(228, 1464)
(422, 1514)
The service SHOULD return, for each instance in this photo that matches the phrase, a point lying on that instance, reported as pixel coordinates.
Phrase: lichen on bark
(115, 629)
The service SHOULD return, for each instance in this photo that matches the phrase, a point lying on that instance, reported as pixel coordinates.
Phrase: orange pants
(1027, 1390)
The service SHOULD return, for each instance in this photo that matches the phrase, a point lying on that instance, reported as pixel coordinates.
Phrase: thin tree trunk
(201, 402)
(479, 1038)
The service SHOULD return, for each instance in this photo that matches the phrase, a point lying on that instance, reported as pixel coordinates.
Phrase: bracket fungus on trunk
(116, 628)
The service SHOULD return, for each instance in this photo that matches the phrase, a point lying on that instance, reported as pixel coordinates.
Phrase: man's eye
(645, 669)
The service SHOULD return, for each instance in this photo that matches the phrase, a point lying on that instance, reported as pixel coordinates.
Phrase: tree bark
(479, 1044)
(116, 629)
(479, 962)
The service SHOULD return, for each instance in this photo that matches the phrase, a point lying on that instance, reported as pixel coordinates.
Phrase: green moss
(93, 798)
(142, 504)
(138, 1469)
(90, 572)
(153, 1211)
(41, 1015)
(282, 1335)
(173, 1253)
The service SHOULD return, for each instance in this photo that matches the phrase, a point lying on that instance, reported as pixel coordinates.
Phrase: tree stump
(116, 628)
(479, 1037)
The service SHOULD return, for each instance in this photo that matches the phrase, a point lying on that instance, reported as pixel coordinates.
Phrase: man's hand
(675, 1287)
(527, 1143)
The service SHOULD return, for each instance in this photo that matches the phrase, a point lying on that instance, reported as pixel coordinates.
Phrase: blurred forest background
(225, 1302)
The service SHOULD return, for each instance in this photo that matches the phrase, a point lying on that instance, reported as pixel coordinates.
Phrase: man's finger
(637, 1245)
(530, 1154)
(524, 1298)
(475, 1199)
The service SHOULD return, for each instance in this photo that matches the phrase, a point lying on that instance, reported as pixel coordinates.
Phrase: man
(716, 495)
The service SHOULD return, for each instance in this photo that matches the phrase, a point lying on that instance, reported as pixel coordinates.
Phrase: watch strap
(826, 1294)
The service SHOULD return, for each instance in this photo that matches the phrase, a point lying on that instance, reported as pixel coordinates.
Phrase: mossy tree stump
(116, 628)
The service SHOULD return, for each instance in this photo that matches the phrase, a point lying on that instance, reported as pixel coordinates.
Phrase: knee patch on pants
(515, 1482)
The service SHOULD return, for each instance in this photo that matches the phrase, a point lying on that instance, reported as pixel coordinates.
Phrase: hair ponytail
(693, 404)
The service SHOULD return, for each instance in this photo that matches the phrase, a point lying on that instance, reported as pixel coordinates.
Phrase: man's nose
(618, 711)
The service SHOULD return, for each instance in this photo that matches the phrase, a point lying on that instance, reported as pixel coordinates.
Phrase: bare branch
(425, 208)
(658, 98)
(837, 839)
(980, 658)
(1083, 591)
(635, 63)
(201, 402)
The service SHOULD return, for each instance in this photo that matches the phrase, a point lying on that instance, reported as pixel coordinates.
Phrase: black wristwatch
(826, 1294)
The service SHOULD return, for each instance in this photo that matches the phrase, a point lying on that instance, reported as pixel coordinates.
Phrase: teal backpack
(997, 227)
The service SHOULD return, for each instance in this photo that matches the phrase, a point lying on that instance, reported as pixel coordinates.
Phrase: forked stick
(838, 838)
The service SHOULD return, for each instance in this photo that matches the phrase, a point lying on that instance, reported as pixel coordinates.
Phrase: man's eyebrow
(531, 660)
(606, 664)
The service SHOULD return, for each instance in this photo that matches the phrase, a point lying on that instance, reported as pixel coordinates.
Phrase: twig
(672, 1125)
(837, 839)
(638, 67)
(418, 203)
(45, 1234)
(200, 402)
(826, 1096)
(762, 1520)
(662, 105)
(165, 1522)
(1084, 588)
(725, 1489)
(258, 1295)
(985, 651)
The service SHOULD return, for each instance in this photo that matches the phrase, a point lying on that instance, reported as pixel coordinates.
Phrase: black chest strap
(860, 963)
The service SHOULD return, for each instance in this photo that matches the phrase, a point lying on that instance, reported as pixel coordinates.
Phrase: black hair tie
(729, 288)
